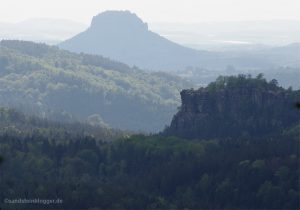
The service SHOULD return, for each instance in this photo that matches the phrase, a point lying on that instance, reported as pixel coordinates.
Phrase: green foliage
(64, 86)
(242, 81)
(93, 167)
(147, 172)
(19, 124)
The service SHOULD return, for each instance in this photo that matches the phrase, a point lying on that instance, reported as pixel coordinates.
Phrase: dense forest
(125, 171)
(57, 84)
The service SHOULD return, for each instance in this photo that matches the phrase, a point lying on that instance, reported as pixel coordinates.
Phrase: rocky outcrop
(248, 109)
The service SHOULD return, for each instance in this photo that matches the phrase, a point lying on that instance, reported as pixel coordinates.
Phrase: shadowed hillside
(143, 172)
(65, 86)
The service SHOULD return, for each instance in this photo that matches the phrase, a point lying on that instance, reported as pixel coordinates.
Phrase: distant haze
(47, 30)
(123, 36)
(188, 11)
(201, 24)
(216, 36)
(231, 35)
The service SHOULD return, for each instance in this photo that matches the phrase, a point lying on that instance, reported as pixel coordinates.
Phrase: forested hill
(46, 161)
(20, 125)
(235, 107)
(64, 86)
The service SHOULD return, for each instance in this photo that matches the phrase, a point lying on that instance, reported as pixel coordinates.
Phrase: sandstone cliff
(235, 106)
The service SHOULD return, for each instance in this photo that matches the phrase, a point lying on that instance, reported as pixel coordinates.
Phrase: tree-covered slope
(61, 85)
(21, 125)
(235, 106)
(140, 172)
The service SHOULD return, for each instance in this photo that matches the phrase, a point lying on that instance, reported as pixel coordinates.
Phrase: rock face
(255, 108)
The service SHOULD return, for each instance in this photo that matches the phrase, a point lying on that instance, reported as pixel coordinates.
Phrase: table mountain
(123, 36)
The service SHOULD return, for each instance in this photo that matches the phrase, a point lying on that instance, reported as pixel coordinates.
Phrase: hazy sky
(153, 10)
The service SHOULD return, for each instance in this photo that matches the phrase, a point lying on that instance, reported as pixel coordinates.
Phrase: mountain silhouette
(122, 36)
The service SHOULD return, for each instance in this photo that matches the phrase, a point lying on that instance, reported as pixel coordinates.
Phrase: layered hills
(64, 86)
(156, 172)
(232, 145)
(48, 30)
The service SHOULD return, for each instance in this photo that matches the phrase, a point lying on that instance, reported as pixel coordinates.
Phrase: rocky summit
(235, 106)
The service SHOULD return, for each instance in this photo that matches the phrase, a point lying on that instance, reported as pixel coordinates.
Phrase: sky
(173, 11)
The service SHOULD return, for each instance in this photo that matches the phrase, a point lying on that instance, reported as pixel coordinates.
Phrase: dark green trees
(97, 168)
(152, 172)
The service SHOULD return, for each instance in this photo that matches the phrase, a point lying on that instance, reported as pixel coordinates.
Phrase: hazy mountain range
(233, 144)
(122, 36)
(215, 36)
(247, 47)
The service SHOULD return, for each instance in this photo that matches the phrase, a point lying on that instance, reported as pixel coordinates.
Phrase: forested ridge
(13, 121)
(88, 124)
(152, 172)
(64, 86)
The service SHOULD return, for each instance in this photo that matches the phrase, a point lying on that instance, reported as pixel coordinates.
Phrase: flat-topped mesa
(233, 109)
(123, 36)
(118, 21)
